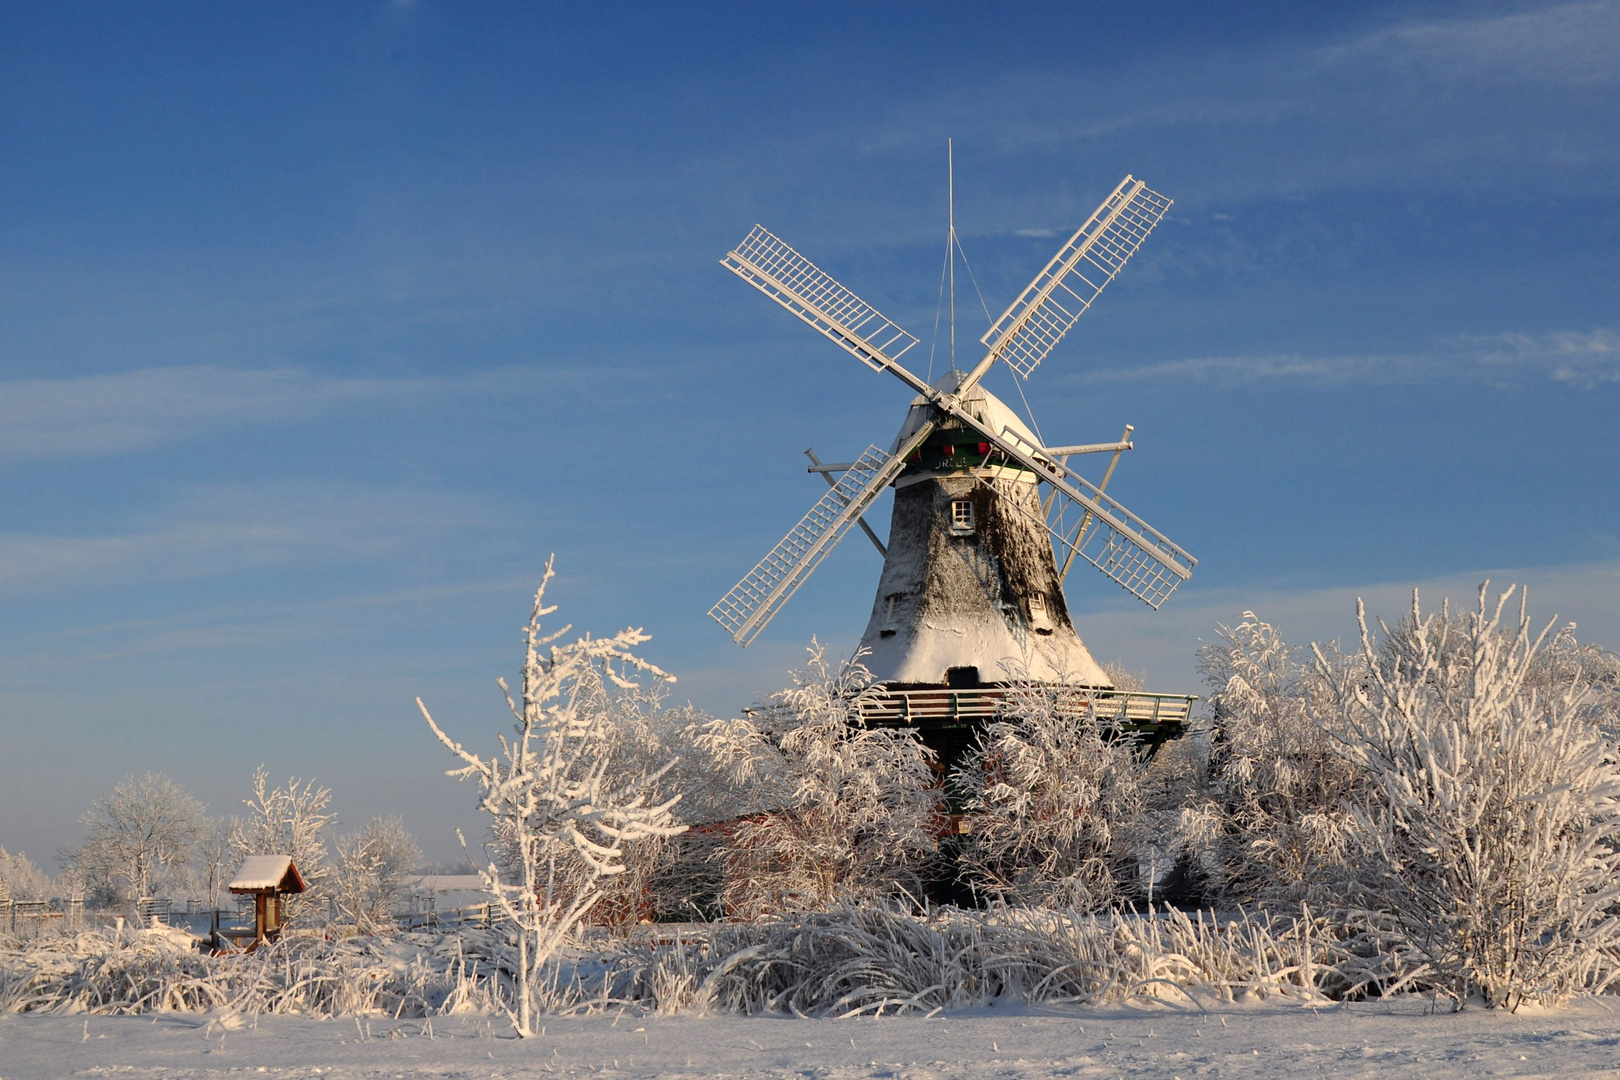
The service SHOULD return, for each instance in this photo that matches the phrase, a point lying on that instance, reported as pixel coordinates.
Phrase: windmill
(987, 520)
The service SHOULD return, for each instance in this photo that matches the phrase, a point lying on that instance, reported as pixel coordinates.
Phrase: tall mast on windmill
(950, 234)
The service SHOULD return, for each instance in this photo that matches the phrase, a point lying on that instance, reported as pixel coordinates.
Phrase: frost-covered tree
(560, 826)
(845, 811)
(374, 868)
(1489, 828)
(1270, 825)
(1054, 803)
(211, 861)
(136, 836)
(290, 819)
(20, 879)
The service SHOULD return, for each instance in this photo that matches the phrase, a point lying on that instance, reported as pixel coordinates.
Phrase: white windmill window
(888, 614)
(961, 515)
(1039, 620)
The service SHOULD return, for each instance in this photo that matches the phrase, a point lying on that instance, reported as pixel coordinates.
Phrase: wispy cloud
(1582, 359)
(1245, 370)
(1479, 100)
(1567, 43)
(41, 658)
(96, 415)
(106, 414)
(218, 529)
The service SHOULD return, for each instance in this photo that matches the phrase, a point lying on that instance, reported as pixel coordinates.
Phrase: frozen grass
(852, 960)
(845, 962)
(855, 960)
(116, 972)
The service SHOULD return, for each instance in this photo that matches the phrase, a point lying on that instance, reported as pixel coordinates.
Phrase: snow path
(1366, 1040)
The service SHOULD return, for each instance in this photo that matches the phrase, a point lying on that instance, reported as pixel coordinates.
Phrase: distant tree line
(150, 838)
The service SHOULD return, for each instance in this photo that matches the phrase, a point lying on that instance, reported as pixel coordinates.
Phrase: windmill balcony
(1154, 718)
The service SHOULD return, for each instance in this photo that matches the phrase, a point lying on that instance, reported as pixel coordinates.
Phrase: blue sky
(321, 326)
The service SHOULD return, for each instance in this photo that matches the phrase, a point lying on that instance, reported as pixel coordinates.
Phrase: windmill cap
(977, 402)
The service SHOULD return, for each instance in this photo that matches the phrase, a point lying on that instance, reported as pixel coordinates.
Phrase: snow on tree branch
(559, 822)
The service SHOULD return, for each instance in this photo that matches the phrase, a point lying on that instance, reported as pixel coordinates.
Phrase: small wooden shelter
(267, 878)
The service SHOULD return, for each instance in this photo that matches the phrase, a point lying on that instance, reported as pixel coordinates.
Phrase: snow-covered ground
(1370, 1039)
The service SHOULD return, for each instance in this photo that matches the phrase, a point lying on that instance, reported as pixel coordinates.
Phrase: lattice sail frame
(1035, 322)
(1113, 539)
(1148, 564)
(754, 601)
(802, 287)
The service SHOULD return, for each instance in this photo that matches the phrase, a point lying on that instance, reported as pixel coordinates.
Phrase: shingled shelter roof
(267, 873)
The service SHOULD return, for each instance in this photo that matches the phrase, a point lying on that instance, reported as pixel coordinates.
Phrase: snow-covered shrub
(664, 875)
(122, 971)
(844, 811)
(289, 820)
(136, 837)
(1270, 825)
(20, 879)
(1488, 831)
(1054, 804)
(560, 828)
(1564, 664)
(374, 868)
(865, 958)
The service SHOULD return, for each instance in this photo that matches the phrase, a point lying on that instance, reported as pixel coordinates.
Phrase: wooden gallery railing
(1155, 718)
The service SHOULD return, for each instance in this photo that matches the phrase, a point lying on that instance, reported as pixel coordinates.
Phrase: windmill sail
(1060, 294)
(1146, 562)
(755, 600)
(796, 283)
(1114, 540)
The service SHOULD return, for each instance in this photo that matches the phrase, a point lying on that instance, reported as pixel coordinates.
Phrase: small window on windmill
(961, 515)
(888, 614)
(1038, 618)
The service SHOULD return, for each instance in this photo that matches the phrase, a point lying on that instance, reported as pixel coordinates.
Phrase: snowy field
(1367, 1039)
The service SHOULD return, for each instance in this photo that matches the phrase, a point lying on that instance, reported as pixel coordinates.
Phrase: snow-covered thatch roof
(267, 873)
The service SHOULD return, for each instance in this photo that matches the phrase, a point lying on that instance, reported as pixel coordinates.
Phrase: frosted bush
(675, 749)
(1054, 805)
(849, 812)
(20, 879)
(1487, 830)
(1269, 827)
(1564, 664)
(870, 959)
(124, 971)
(849, 959)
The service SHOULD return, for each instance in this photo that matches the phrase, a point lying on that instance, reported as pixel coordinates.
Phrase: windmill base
(949, 717)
